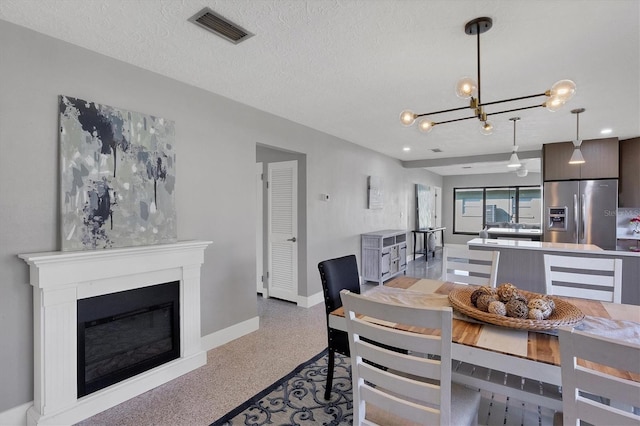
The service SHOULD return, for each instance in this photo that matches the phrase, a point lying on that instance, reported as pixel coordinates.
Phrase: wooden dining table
(521, 363)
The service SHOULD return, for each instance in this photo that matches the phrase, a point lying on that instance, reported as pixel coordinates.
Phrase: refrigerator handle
(583, 214)
(575, 217)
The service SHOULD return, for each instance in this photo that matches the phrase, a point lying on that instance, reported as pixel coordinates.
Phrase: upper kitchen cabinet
(601, 160)
(555, 162)
(629, 184)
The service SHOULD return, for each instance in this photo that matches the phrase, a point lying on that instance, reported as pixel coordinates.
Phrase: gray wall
(215, 192)
(462, 181)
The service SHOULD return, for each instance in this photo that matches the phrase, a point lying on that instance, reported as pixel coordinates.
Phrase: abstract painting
(374, 192)
(425, 206)
(117, 177)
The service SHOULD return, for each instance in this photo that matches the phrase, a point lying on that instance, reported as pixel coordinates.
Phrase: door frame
(260, 279)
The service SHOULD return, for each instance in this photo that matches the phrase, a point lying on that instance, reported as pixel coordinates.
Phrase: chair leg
(331, 365)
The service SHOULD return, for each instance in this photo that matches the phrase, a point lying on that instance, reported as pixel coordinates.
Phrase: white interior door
(259, 229)
(437, 220)
(282, 194)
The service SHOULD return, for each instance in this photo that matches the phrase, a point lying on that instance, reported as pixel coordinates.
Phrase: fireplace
(126, 333)
(78, 290)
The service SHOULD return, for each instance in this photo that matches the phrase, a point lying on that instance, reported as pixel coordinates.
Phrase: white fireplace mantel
(60, 279)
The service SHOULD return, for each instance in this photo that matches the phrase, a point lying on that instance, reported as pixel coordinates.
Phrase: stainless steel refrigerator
(581, 212)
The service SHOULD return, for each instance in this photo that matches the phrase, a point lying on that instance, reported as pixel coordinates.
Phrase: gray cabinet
(384, 255)
(601, 160)
(629, 185)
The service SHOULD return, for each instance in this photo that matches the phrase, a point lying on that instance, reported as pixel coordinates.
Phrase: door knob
(292, 239)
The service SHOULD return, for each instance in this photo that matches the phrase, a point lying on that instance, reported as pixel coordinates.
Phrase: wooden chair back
(593, 396)
(585, 277)
(462, 265)
(408, 385)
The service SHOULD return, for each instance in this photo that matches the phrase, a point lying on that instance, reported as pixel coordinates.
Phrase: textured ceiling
(348, 67)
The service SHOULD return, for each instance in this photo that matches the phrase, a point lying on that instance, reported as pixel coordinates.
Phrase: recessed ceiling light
(406, 149)
(605, 131)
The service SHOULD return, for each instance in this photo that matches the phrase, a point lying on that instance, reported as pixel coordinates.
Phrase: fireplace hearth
(64, 281)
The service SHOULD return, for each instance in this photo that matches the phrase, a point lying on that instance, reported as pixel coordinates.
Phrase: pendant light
(514, 161)
(576, 157)
(471, 89)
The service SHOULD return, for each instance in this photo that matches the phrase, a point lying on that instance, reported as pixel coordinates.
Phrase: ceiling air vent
(436, 150)
(211, 21)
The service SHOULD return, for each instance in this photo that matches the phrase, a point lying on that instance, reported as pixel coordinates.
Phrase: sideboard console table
(384, 254)
(425, 237)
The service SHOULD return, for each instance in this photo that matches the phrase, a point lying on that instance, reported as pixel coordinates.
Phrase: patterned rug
(298, 398)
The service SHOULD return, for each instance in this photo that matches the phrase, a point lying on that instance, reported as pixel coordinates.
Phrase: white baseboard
(228, 334)
(15, 416)
(314, 299)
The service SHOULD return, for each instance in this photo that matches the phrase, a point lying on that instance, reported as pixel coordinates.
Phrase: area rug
(298, 398)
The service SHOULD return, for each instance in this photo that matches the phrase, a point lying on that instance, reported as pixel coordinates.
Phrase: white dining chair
(412, 384)
(593, 396)
(584, 277)
(465, 266)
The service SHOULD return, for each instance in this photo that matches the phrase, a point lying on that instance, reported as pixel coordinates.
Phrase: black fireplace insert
(126, 333)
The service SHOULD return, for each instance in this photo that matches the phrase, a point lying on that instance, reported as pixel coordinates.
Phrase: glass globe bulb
(407, 117)
(563, 90)
(486, 128)
(425, 125)
(466, 87)
(553, 104)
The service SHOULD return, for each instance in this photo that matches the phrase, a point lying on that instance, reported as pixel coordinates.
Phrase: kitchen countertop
(627, 235)
(534, 245)
(546, 246)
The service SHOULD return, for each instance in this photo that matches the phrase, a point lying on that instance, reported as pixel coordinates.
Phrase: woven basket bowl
(564, 314)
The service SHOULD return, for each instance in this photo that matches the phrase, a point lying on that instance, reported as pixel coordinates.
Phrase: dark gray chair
(336, 275)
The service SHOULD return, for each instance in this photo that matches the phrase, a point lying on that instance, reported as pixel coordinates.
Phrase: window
(475, 208)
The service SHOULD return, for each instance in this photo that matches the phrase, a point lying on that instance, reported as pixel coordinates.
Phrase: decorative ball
(497, 307)
(477, 293)
(484, 300)
(550, 301)
(521, 297)
(506, 292)
(516, 308)
(542, 305)
(538, 303)
(536, 314)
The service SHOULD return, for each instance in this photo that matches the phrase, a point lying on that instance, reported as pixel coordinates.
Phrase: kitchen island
(522, 263)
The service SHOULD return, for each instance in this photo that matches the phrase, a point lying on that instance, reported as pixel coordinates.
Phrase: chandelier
(468, 88)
